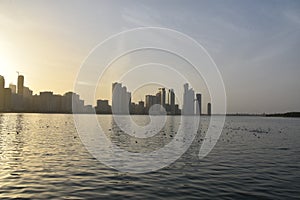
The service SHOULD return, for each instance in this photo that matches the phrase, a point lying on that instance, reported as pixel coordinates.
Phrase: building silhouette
(170, 107)
(158, 98)
(162, 92)
(2, 93)
(103, 107)
(199, 104)
(7, 99)
(209, 109)
(171, 102)
(19, 98)
(20, 84)
(138, 109)
(13, 88)
(150, 101)
(72, 103)
(2, 82)
(121, 99)
(188, 101)
(5, 96)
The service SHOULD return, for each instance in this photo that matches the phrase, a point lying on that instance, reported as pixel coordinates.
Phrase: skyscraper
(13, 88)
(2, 84)
(162, 96)
(7, 99)
(140, 108)
(116, 98)
(188, 107)
(171, 101)
(20, 84)
(158, 98)
(121, 99)
(198, 105)
(209, 109)
(150, 101)
(70, 102)
(127, 102)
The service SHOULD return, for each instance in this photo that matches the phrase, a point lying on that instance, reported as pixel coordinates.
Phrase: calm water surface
(42, 157)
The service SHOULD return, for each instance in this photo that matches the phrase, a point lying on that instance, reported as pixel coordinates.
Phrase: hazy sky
(255, 44)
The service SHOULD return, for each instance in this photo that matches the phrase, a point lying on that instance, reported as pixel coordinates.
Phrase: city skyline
(19, 98)
(195, 108)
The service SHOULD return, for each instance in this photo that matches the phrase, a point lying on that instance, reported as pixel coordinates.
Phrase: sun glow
(6, 68)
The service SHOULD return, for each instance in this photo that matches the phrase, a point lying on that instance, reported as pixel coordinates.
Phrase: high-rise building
(150, 101)
(71, 102)
(27, 92)
(188, 107)
(171, 101)
(121, 99)
(20, 84)
(52, 103)
(7, 99)
(13, 88)
(19, 99)
(103, 107)
(199, 104)
(46, 101)
(116, 98)
(114, 85)
(2, 84)
(162, 92)
(126, 102)
(158, 97)
(140, 108)
(209, 109)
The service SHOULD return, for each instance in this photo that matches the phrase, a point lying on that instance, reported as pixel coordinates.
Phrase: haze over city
(255, 44)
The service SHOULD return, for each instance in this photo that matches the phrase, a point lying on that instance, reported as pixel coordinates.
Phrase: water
(41, 156)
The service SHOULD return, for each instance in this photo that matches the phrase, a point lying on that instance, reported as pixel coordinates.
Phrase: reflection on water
(41, 156)
(161, 136)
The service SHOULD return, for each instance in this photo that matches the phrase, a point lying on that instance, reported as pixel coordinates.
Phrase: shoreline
(283, 115)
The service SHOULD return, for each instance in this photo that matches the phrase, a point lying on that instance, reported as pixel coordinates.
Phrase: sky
(254, 43)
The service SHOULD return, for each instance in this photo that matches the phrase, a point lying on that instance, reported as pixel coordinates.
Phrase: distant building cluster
(160, 103)
(121, 102)
(18, 98)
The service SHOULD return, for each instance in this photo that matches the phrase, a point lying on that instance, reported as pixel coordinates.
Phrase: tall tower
(172, 101)
(2, 82)
(20, 84)
(209, 109)
(163, 97)
(188, 100)
(198, 105)
(121, 99)
(116, 98)
(158, 98)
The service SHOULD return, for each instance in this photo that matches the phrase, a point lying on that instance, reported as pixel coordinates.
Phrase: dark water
(41, 157)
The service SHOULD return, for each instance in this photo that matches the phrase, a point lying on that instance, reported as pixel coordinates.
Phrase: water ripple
(41, 157)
